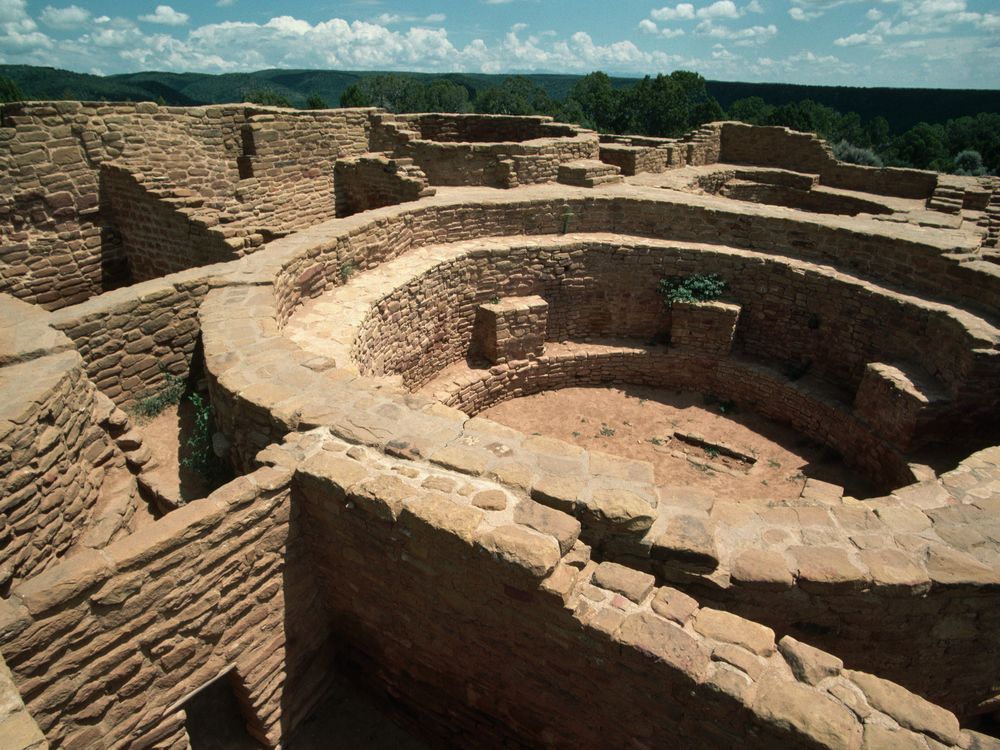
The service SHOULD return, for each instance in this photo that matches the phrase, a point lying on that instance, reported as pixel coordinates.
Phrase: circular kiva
(843, 572)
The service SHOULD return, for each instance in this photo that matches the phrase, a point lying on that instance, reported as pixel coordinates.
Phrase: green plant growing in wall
(201, 455)
(170, 394)
(696, 287)
(347, 270)
(566, 217)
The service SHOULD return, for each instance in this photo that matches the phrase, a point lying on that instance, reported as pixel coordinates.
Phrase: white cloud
(798, 14)
(70, 17)
(719, 9)
(648, 26)
(873, 14)
(671, 33)
(166, 16)
(225, 3)
(682, 11)
(751, 35)
(392, 19)
(753, 6)
(854, 40)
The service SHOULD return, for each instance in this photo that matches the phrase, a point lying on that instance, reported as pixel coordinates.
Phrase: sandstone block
(808, 713)
(632, 584)
(763, 568)
(621, 509)
(827, 566)
(439, 513)
(665, 642)
(911, 711)
(809, 665)
(533, 553)
(673, 604)
(687, 541)
(730, 628)
(563, 527)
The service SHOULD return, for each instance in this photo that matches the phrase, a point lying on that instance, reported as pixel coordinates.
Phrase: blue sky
(935, 43)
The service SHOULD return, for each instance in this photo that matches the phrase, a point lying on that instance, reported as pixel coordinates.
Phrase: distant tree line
(670, 105)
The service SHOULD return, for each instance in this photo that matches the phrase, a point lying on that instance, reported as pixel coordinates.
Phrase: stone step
(588, 173)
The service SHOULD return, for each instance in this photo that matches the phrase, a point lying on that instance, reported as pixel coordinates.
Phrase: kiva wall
(775, 146)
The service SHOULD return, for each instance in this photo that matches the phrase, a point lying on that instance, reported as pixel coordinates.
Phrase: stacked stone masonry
(355, 291)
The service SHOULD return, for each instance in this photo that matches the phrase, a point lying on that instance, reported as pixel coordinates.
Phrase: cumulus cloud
(681, 11)
(64, 19)
(648, 26)
(719, 9)
(166, 16)
(798, 14)
(392, 19)
(751, 35)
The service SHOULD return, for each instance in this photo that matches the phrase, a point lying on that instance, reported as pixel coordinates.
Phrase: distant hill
(903, 108)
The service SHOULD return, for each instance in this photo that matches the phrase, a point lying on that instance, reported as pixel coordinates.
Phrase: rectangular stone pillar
(703, 327)
(896, 400)
(512, 328)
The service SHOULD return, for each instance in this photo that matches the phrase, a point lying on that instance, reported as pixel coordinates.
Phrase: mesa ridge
(350, 290)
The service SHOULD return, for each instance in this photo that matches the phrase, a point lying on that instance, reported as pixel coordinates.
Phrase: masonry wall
(105, 647)
(290, 162)
(128, 338)
(367, 182)
(556, 653)
(900, 261)
(605, 290)
(159, 236)
(55, 455)
(757, 388)
(59, 239)
(804, 152)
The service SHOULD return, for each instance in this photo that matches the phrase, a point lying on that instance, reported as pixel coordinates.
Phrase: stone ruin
(354, 288)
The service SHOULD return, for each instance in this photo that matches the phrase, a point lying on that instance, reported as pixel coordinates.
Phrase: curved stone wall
(791, 312)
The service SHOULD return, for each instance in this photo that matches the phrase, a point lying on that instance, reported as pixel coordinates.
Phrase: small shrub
(607, 431)
(266, 96)
(315, 101)
(848, 152)
(170, 394)
(347, 271)
(694, 288)
(201, 456)
(969, 162)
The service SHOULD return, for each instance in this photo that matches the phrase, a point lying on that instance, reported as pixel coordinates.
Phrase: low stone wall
(221, 583)
(375, 180)
(890, 257)
(793, 314)
(54, 455)
(550, 625)
(477, 128)
(159, 235)
(502, 165)
(807, 407)
(804, 152)
(131, 337)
